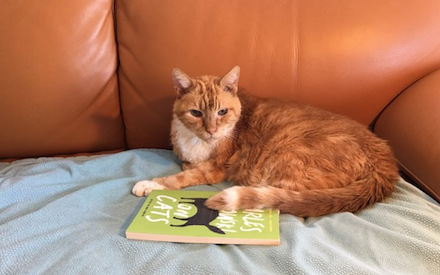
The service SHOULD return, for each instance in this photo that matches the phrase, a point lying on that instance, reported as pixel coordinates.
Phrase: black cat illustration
(203, 216)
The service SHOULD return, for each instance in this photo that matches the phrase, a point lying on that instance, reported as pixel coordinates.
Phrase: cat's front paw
(144, 187)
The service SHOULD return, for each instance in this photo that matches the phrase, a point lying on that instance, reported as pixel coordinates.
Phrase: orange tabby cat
(299, 159)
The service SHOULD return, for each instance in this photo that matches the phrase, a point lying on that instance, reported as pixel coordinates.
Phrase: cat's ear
(229, 82)
(182, 82)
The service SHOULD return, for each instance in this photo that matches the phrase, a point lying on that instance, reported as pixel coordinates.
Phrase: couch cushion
(350, 57)
(58, 86)
(411, 124)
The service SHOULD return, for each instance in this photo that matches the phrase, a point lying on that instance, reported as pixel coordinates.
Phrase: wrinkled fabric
(69, 215)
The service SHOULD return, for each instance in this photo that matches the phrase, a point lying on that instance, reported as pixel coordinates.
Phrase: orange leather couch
(92, 76)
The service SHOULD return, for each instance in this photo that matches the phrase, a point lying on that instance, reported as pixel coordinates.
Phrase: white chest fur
(193, 148)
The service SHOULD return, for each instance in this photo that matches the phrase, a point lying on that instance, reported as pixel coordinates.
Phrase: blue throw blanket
(69, 215)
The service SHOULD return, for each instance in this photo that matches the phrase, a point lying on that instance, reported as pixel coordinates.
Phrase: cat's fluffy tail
(315, 202)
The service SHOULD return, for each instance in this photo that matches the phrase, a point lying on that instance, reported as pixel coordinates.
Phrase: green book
(181, 216)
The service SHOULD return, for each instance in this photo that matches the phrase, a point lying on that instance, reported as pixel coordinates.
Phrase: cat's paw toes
(228, 199)
(144, 187)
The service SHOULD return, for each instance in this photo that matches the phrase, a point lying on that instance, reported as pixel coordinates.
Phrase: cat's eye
(195, 113)
(222, 112)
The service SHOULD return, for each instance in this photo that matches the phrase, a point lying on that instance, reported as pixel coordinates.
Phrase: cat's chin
(211, 140)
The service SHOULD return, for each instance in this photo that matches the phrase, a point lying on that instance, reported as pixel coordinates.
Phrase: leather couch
(95, 76)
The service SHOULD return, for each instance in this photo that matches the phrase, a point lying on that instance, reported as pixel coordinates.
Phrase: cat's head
(208, 106)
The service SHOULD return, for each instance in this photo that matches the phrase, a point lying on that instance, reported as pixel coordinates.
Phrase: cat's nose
(211, 130)
(210, 127)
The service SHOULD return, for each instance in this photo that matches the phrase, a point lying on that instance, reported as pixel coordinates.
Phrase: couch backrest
(351, 57)
(58, 82)
(63, 77)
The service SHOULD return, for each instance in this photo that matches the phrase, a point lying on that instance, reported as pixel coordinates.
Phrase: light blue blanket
(68, 216)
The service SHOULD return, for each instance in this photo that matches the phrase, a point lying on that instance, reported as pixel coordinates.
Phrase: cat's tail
(307, 203)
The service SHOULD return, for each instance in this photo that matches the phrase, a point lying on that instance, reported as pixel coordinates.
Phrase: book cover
(181, 216)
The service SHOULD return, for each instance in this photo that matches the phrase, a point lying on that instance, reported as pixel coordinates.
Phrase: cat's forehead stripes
(208, 95)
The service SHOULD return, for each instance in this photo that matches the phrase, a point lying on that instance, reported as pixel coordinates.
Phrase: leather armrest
(411, 124)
